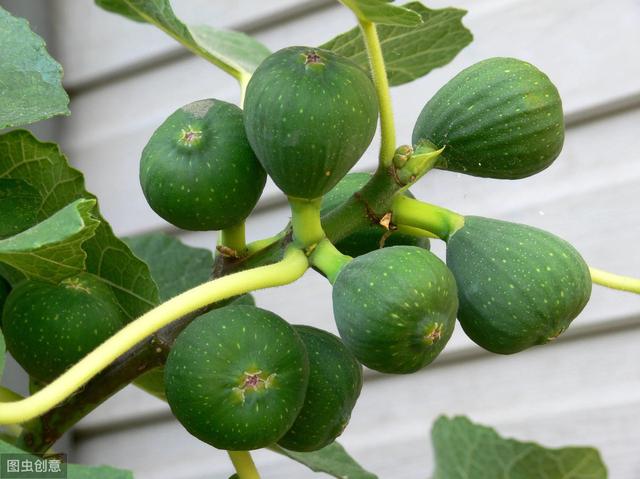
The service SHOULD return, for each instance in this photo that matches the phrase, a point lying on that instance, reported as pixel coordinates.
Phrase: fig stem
(328, 259)
(243, 463)
(381, 83)
(434, 219)
(286, 271)
(305, 219)
(615, 281)
(260, 244)
(413, 231)
(234, 238)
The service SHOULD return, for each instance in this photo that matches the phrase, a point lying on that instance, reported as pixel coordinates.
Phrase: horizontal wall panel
(578, 392)
(110, 126)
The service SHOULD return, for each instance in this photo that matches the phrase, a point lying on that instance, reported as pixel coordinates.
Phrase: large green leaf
(382, 12)
(30, 80)
(410, 52)
(332, 460)
(45, 169)
(234, 52)
(22, 201)
(52, 250)
(73, 471)
(466, 450)
(174, 266)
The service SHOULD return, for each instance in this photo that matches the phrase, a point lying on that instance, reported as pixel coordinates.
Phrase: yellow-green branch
(615, 281)
(381, 82)
(243, 464)
(286, 271)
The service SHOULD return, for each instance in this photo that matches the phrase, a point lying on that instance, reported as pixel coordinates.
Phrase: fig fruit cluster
(240, 377)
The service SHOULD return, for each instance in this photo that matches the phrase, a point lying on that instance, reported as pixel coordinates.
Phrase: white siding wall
(126, 78)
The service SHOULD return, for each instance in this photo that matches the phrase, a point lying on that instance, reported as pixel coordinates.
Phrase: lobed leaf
(52, 250)
(410, 52)
(30, 80)
(332, 460)
(174, 266)
(382, 12)
(45, 169)
(234, 52)
(464, 449)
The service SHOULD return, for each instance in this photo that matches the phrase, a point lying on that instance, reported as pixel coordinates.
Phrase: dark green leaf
(30, 80)
(410, 52)
(45, 169)
(52, 250)
(465, 450)
(382, 12)
(332, 460)
(21, 202)
(234, 52)
(174, 266)
(74, 471)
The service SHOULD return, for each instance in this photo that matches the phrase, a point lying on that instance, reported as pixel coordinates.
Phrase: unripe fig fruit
(335, 381)
(499, 118)
(48, 327)
(395, 308)
(518, 286)
(310, 115)
(236, 377)
(198, 171)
